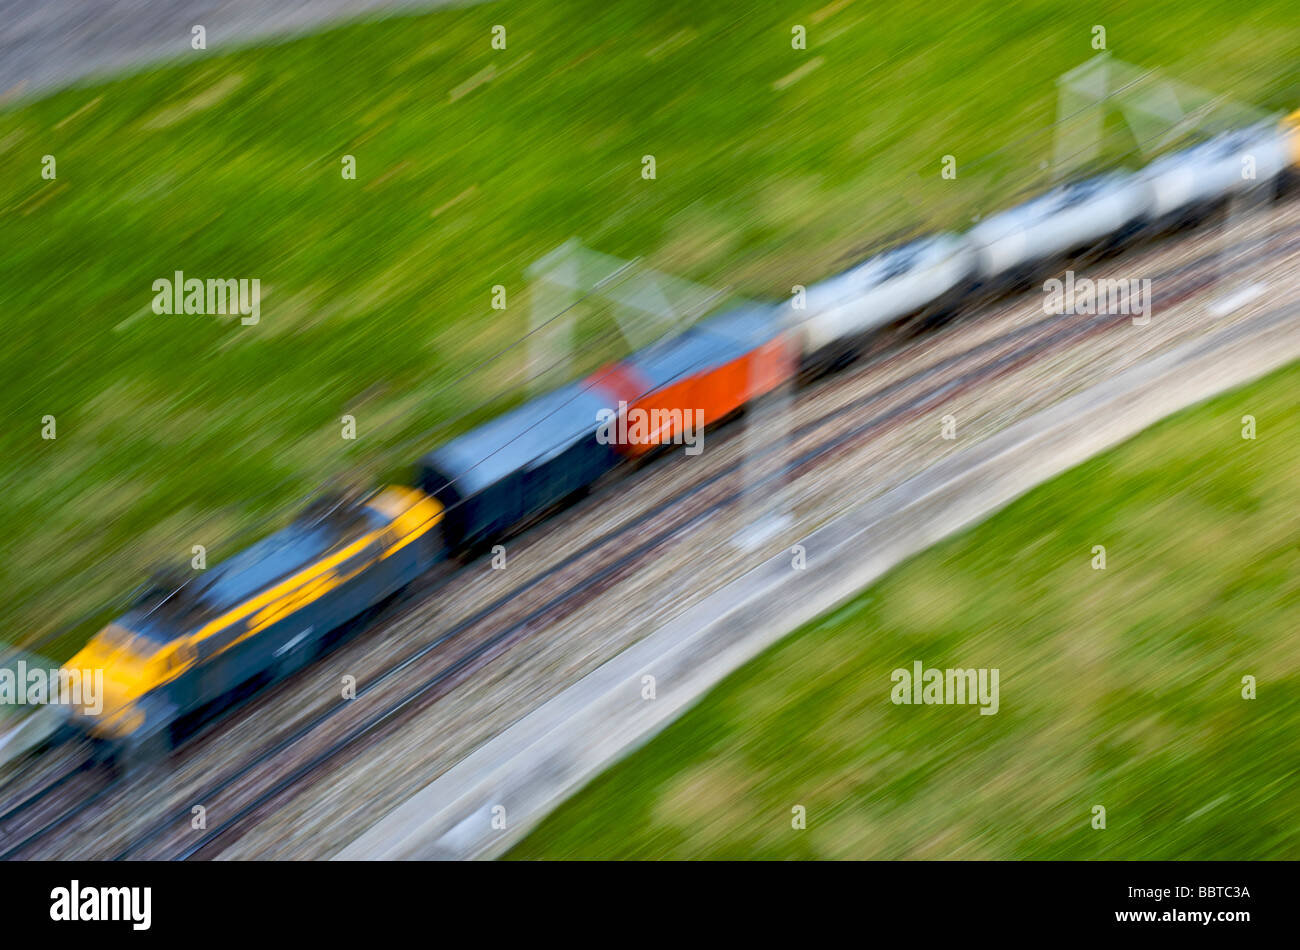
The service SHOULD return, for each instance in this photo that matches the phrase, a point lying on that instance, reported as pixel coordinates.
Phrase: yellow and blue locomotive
(257, 616)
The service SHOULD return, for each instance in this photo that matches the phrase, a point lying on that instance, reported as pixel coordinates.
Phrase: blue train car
(499, 475)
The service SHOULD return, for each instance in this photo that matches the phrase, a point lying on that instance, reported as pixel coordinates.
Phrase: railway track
(249, 791)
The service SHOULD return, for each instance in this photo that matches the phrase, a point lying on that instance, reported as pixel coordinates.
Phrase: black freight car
(539, 455)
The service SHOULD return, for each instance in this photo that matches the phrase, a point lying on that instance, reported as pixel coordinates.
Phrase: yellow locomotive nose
(121, 677)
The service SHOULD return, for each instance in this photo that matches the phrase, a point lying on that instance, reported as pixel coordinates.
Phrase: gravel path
(46, 44)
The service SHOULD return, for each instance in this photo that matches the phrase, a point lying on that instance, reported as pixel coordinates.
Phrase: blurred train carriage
(1017, 244)
(1186, 184)
(926, 277)
(699, 377)
(258, 615)
(517, 466)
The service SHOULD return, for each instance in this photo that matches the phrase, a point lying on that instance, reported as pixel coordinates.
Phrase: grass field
(1119, 687)
(775, 166)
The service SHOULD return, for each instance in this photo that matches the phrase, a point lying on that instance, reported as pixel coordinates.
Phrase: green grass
(1119, 687)
(183, 430)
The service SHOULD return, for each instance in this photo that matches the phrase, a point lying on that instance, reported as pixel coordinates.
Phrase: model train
(183, 647)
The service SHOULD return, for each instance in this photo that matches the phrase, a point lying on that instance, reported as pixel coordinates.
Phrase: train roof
(1041, 207)
(531, 433)
(1226, 146)
(169, 609)
(750, 326)
(707, 344)
(886, 265)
